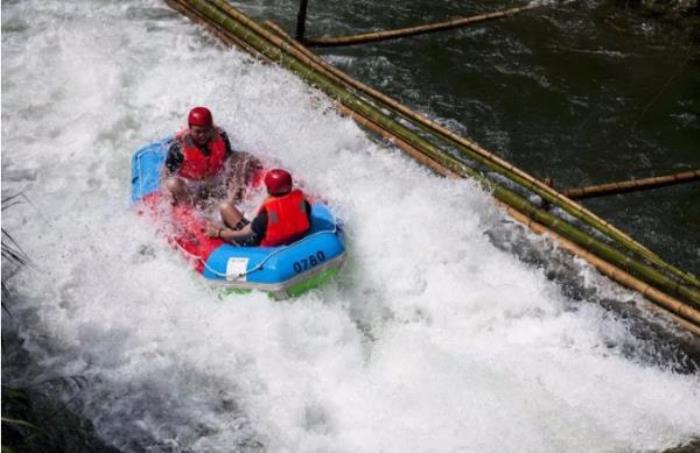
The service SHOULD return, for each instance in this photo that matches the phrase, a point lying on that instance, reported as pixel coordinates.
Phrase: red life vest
(286, 219)
(196, 165)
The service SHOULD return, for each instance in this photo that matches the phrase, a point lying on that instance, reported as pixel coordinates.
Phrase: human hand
(214, 231)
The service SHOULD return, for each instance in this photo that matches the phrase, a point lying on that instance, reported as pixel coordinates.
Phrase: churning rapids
(431, 339)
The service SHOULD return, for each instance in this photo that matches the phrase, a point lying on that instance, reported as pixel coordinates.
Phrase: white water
(430, 340)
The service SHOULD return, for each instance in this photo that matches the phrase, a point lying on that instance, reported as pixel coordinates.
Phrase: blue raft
(284, 271)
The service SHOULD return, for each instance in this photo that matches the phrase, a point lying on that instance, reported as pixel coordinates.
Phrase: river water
(432, 338)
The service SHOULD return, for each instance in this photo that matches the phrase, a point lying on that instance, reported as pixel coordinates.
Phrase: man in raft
(284, 217)
(201, 165)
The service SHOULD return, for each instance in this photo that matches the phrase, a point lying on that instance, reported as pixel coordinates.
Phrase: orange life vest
(196, 165)
(286, 219)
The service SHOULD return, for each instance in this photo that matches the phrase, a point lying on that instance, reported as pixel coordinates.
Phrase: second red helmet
(278, 182)
(200, 116)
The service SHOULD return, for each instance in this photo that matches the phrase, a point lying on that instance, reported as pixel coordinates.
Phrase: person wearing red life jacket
(201, 164)
(284, 217)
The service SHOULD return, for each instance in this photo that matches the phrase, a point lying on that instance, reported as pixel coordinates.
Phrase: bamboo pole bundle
(417, 30)
(600, 249)
(401, 144)
(680, 312)
(490, 160)
(684, 316)
(275, 49)
(183, 7)
(632, 185)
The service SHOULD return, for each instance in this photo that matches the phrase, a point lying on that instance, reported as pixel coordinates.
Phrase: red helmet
(200, 116)
(278, 182)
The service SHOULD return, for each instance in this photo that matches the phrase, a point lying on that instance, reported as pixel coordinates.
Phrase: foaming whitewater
(431, 339)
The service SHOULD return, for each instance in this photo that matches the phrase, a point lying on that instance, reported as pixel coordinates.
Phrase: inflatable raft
(284, 271)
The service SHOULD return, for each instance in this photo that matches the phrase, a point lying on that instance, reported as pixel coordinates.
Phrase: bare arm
(228, 234)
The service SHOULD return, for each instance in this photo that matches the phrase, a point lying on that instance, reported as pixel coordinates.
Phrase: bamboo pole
(490, 160)
(417, 30)
(602, 250)
(632, 185)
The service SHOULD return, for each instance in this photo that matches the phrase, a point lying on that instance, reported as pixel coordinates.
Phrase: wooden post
(301, 20)
(613, 188)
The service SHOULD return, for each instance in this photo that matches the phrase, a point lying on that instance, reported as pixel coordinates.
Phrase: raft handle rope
(261, 264)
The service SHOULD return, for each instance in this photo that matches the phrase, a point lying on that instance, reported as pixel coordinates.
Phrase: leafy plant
(12, 253)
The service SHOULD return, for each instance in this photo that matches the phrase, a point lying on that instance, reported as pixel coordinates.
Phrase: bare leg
(178, 190)
(230, 215)
(243, 167)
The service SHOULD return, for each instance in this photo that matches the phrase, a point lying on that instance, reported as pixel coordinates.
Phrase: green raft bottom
(295, 290)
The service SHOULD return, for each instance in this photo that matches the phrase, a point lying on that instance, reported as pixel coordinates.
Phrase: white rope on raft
(261, 264)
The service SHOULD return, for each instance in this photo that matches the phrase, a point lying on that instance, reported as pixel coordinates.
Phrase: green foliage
(12, 253)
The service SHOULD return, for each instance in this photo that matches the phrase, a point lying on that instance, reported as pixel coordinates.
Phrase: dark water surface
(584, 93)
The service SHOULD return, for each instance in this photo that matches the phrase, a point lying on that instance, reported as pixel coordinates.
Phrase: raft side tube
(266, 265)
(145, 169)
